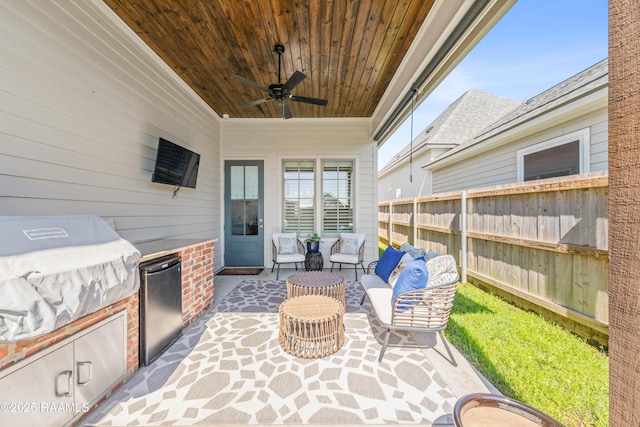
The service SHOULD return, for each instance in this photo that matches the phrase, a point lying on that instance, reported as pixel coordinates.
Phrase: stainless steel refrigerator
(160, 306)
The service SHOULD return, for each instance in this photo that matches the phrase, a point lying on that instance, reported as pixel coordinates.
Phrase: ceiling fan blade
(251, 83)
(294, 81)
(286, 112)
(256, 102)
(315, 101)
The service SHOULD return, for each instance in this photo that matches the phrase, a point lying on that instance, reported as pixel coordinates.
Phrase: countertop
(158, 248)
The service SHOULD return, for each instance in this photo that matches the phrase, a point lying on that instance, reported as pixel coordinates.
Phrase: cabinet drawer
(100, 360)
(40, 393)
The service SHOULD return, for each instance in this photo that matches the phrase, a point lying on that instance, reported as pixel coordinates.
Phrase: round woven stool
(311, 326)
(317, 283)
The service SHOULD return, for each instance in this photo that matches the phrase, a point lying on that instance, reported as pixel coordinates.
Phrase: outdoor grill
(57, 269)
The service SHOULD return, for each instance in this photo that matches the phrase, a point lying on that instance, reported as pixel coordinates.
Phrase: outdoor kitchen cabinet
(58, 384)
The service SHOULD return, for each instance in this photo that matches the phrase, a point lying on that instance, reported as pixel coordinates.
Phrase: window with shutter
(299, 195)
(337, 196)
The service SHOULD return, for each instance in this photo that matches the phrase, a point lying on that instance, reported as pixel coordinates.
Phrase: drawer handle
(80, 365)
(69, 392)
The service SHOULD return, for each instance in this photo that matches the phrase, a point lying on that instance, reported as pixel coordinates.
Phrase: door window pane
(251, 182)
(237, 182)
(244, 200)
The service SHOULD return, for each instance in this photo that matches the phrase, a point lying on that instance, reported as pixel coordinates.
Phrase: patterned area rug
(231, 370)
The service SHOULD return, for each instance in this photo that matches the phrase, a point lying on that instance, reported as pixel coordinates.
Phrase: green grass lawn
(531, 359)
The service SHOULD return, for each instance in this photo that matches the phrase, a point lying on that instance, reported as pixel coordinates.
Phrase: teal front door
(243, 213)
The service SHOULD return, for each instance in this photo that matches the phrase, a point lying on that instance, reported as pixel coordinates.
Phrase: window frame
(318, 200)
(353, 191)
(583, 136)
(284, 198)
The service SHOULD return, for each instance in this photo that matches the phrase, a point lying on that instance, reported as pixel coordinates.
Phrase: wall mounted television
(175, 165)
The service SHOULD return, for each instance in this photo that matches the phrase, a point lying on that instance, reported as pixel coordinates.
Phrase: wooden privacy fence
(543, 242)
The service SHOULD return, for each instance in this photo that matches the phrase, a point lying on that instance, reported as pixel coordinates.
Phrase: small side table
(311, 326)
(313, 261)
(317, 283)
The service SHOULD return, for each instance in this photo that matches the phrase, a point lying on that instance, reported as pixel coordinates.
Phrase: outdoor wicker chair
(348, 249)
(286, 249)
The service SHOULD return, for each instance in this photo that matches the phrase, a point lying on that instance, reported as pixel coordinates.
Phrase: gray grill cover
(57, 269)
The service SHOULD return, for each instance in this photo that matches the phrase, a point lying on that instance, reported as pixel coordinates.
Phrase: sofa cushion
(412, 250)
(442, 270)
(413, 277)
(430, 255)
(387, 262)
(370, 281)
(393, 277)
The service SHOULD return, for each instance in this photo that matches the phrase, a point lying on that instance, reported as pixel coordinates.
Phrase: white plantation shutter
(299, 195)
(337, 196)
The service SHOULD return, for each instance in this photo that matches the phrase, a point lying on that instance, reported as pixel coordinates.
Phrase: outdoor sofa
(411, 294)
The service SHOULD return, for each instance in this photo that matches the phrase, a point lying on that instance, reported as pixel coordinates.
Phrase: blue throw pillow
(387, 262)
(413, 277)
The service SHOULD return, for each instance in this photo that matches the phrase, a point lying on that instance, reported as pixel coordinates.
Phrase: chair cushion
(413, 277)
(287, 245)
(358, 236)
(349, 246)
(287, 258)
(387, 262)
(344, 258)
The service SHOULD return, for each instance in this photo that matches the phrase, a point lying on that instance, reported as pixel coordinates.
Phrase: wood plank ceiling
(349, 49)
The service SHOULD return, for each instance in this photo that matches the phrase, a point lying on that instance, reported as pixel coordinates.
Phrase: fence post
(390, 222)
(463, 234)
(415, 222)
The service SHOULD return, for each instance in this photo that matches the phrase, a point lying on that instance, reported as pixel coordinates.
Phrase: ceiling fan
(279, 91)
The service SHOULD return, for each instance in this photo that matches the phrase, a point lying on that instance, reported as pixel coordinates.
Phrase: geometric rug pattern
(230, 370)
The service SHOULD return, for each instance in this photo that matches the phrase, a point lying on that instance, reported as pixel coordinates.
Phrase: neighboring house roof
(459, 122)
(582, 84)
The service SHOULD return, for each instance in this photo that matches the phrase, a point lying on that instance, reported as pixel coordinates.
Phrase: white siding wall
(499, 165)
(398, 177)
(275, 140)
(82, 104)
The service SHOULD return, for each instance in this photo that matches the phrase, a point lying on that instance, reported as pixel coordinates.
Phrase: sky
(536, 45)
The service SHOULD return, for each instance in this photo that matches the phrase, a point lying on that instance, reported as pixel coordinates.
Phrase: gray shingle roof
(459, 122)
(583, 83)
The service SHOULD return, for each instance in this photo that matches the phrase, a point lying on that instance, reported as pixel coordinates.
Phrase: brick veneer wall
(197, 281)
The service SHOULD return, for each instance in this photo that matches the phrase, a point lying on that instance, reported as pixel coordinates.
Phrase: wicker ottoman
(317, 283)
(311, 326)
